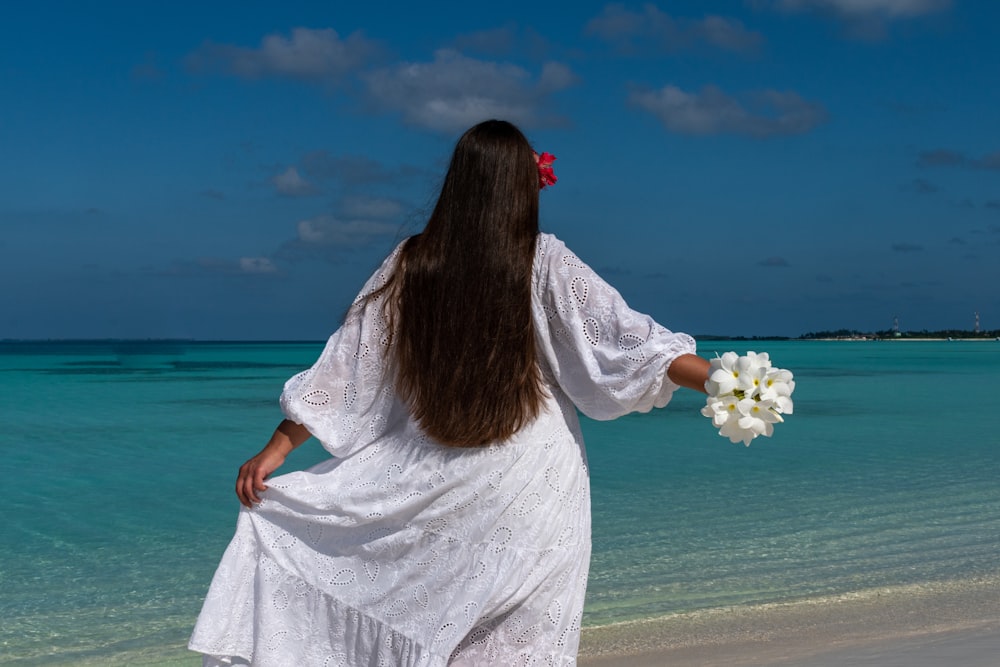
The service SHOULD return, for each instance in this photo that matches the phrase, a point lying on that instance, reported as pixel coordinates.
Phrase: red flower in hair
(545, 174)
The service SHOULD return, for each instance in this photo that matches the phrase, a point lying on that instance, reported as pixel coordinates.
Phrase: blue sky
(235, 170)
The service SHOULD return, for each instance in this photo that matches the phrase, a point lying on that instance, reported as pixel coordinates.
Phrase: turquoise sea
(118, 462)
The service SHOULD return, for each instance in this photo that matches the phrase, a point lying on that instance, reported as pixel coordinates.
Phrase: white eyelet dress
(398, 551)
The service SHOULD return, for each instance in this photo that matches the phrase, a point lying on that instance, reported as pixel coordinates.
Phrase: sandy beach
(945, 624)
(953, 625)
(978, 647)
(909, 627)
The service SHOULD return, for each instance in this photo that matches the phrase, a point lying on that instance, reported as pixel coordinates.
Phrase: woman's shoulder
(546, 245)
(549, 246)
(551, 251)
(555, 263)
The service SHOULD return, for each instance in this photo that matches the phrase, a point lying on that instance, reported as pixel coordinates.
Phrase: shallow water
(119, 462)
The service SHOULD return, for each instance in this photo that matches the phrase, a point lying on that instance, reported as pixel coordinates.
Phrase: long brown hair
(463, 341)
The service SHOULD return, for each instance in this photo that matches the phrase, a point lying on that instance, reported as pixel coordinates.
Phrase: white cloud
(454, 92)
(290, 184)
(381, 208)
(308, 54)
(555, 77)
(257, 265)
(625, 28)
(328, 230)
(867, 19)
(219, 265)
(712, 111)
(866, 8)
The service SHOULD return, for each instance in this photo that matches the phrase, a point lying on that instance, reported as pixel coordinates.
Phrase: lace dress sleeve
(345, 398)
(609, 359)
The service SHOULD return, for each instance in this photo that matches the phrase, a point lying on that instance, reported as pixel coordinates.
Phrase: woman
(452, 525)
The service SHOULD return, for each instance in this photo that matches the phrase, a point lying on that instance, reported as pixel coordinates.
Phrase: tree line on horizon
(890, 334)
(854, 334)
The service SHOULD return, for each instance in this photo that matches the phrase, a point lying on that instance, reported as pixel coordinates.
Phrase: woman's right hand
(250, 482)
(253, 473)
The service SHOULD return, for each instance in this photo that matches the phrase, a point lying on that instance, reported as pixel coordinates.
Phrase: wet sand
(927, 626)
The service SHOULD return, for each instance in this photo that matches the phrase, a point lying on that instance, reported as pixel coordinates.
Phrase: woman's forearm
(288, 436)
(689, 370)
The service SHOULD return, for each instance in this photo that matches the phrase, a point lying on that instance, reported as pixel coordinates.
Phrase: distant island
(889, 334)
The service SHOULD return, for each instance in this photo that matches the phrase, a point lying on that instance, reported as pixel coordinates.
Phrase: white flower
(731, 429)
(721, 410)
(723, 375)
(758, 416)
(778, 386)
(747, 396)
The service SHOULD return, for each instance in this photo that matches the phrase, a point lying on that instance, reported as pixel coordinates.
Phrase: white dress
(401, 551)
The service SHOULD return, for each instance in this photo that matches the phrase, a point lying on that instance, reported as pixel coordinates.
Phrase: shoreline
(911, 626)
(918, 625)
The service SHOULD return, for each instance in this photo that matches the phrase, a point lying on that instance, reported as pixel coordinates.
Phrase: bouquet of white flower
(747, 396)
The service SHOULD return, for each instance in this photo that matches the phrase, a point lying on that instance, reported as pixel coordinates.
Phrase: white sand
(920, 626)
(946, 624)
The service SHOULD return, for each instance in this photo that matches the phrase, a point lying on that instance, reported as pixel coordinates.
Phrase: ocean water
(118, 462)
